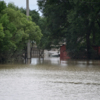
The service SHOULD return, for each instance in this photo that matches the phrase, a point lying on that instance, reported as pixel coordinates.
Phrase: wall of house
(63, 53)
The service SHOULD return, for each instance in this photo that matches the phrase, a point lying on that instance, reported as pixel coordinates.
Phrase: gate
(37, 53)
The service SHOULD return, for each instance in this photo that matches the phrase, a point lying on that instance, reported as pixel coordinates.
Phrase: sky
(22, 3)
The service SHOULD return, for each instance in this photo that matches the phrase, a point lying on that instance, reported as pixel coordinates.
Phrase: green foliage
(1, 32)
(82, 30)
(15, 30)
(13, 6)
(45, 40)
(2, 5)
(77, 21)
(35, 16)
(22, 10)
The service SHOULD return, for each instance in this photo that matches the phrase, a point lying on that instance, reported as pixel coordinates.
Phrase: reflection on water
(51, 60)
(56, 61)
(50, 79)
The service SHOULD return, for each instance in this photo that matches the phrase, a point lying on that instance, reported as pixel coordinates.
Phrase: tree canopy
(72, 21)
(77, 22)
(15, 30)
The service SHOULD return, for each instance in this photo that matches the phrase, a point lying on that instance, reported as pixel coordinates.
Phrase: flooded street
(50, 79)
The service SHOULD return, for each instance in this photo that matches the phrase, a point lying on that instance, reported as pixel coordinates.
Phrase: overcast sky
(22, 3)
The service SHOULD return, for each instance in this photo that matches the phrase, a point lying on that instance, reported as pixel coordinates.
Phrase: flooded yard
(50, 79)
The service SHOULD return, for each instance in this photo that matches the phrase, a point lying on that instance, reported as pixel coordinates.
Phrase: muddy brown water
(50, 79)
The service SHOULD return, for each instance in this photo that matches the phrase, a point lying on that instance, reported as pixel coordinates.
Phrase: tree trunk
(89, 28)
(93, 30)
(88, 45)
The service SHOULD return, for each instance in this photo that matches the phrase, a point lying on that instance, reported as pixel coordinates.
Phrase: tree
(35, 16)
(1, 32)
(56, 15)
(16, 30)
(83, 28)
(77, 21)
(45, 41)
(2, 5)
(42, 23)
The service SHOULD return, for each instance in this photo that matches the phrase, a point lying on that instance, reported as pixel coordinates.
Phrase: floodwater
(50, 79)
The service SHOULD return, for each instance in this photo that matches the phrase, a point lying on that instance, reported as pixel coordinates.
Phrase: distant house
(97, 49)
(63, 53)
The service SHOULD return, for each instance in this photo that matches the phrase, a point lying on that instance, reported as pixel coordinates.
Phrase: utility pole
(28, 44)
